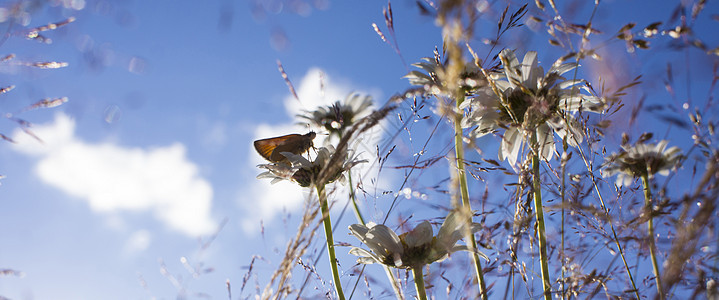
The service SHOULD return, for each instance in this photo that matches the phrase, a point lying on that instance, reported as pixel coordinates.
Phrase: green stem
(563, 195)
(330, 240)
(650, 231)
(358, 214)
(464, 190)
(419, 282)
(540, 219)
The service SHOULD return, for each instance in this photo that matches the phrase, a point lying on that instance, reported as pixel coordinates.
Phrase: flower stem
(358, 214)
(330, 240)
(540, 220)
(464, 190)
(563, 195)
(650, 231)
(419, 282)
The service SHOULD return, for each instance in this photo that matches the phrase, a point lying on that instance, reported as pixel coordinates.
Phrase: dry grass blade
(5, 137)
(287, 80)
(295, 249)
(46, 103)
(389, 22)
(34, 33)
(7, 57)
(381, 35)
(47, 64)
(10, 272)
(53, 26)
(690, 228)
(229, 289)
(6, 89)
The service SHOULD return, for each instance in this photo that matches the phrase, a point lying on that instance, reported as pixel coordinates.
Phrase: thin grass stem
(609, 219)
(564, 204)
(464, 190)
(650, 231)
(330, 240)
(546, 284)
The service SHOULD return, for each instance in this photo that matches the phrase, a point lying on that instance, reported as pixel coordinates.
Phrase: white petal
(466, 248)
(368, 260)
(575, 132)
(529, 69)
(450, 232)
(511, 144)
(385, 238)
(420, 235)
(511, 66)
(297, 160)
(545, 139)
(356, 251)
(418, 78)
(503, 85)
(484, 119)
(562, 68)
(672, 152)
(397, 259)
(568, 83)
(359, 231)
(438, 256)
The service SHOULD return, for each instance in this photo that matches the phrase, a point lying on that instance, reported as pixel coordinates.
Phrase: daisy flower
(305, 172)
(524, 101)
(433, 77)
(336, 118)
(412, 249)
(640, 160)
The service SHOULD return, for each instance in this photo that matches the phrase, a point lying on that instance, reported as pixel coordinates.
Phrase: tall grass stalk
(330, 240)
(540, 219)
(464, 190)
(650, 231)
(564, 159)
(358, 214)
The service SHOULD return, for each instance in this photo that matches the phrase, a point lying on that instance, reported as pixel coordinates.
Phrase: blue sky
(153, 153)
(153, 150)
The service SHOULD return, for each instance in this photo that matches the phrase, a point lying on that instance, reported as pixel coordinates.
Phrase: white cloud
(112, 178)
(138, 242)
(266, 200)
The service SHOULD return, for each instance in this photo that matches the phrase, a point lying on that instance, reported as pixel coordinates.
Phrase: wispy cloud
(137, 242)
(112, 178)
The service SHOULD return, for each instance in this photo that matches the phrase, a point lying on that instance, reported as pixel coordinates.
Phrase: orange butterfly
(272, 148)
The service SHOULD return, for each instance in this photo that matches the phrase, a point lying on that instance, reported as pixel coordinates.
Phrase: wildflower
(305, 172)
(340, 115)
(435, 79)
(641, 160)
(411, 249)
(525, 101)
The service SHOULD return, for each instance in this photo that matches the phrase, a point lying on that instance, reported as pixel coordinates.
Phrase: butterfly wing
(265, 147)
(271, 149)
